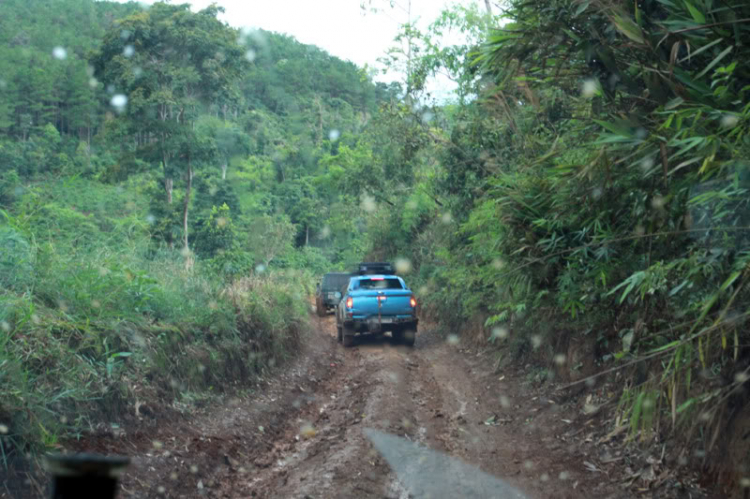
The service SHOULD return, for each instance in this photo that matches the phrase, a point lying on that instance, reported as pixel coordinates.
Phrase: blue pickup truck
(377, 304)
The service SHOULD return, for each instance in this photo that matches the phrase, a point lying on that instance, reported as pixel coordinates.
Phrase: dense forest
(170, 188)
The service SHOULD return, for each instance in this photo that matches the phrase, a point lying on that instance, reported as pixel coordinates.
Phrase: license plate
(331, 295)
(386, 320)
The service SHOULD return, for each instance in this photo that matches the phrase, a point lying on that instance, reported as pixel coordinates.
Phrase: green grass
(92, 326)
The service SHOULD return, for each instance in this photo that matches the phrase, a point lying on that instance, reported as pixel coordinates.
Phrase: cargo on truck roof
(365, 268)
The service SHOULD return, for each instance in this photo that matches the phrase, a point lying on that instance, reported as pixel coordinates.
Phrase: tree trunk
(187, 205)
(224, 170)
(489, 7)
(307, 235)
(168, 184)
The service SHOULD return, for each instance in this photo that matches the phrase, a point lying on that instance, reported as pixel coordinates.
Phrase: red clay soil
(302, 435)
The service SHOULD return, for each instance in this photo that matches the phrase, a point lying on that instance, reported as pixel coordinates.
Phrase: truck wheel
(320, 308)
(408, 337)
(347, 336)
(397, 335)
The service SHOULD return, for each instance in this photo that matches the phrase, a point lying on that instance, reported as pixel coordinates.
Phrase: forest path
(303, 433)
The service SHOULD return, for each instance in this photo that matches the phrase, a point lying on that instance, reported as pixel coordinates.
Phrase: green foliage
(85, 319)
(598, 180)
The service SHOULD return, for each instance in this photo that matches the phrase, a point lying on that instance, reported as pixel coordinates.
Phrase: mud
(304, 434)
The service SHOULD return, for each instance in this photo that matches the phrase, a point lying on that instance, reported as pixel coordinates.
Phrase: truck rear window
(335, 281)
(379, 284)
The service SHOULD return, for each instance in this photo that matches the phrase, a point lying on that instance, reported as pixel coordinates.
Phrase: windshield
(375, 248)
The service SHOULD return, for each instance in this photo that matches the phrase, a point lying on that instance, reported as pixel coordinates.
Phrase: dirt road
(304, 434)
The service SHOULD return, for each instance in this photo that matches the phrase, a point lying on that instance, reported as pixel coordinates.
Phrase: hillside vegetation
(159, 234)
(170, 186)
(586, 204)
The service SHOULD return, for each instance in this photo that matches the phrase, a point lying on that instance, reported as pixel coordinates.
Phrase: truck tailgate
(392, 302)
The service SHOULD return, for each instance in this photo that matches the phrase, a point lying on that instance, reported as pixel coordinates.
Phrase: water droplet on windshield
(536, 341)
(128, 51)
(657, 202)
(453, 339)
(3, 429)
(193, 469)
(260, 268)
(150, 218)
(499, 333)
(368, 203)
(334, 135)
(446, 218)
(93, 82)
(250, 55)
(427, 117)
(119, 101)
(307, 431)
(560, 359)
(590, 88)
(59, 53)
(403, 266)
(5, 326)
(729, 121)
(325, 232)
(125, 34)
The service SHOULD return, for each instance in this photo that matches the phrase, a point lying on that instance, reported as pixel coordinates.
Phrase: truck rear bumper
(375, 324)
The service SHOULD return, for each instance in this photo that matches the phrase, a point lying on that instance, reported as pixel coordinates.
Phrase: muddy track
(426, 395)
(303, 434)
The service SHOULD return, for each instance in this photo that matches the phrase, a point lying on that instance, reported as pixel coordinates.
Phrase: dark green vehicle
(326, 297)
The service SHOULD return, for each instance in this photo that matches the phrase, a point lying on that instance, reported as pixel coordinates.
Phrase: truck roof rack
(366, 268)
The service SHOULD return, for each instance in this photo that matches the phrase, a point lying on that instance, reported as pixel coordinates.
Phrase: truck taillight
(350, 302)
(413, 302)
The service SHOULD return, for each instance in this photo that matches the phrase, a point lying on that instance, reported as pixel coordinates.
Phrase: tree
(230, 140)
(166, 64)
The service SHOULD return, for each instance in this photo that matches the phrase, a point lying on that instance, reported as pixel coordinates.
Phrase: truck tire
(347, 336)
(408, 337)
(320, 307)
(397, 335)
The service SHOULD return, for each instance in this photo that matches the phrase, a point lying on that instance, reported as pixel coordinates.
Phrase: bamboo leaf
(674, 103)
(697, 15)
(716, 61)
(581, 7)
(686, 404)
(637, 409)
(730, 280)
(629, 28)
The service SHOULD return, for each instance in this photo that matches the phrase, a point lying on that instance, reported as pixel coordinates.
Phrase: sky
(340, 27)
